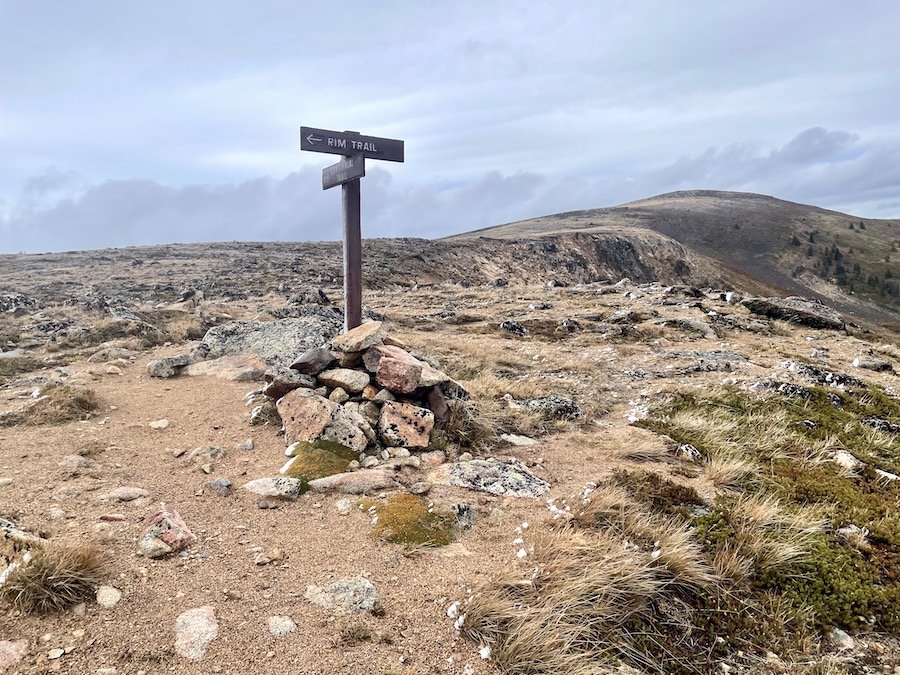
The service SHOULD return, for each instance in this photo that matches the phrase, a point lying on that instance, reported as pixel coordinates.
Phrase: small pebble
(108, 597)
(279, 626)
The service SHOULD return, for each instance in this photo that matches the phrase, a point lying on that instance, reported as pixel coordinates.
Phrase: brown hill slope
(755, 244)
(793, 247)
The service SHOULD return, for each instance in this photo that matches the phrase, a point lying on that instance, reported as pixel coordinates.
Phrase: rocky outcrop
(501, 477)
(277, 342)
(796, 310)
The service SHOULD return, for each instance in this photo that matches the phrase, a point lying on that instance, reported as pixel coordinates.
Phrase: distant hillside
(757, 245)
(852, 262)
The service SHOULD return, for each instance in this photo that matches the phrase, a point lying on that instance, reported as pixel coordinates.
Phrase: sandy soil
(414, 634)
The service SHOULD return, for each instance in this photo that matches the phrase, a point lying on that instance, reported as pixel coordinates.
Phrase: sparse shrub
(57, 404)
(93, 449)
(12, 366)
(56, 576)
(353, 635)
(466, 426)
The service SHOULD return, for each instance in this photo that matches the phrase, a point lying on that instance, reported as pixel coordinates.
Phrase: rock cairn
(362, 396)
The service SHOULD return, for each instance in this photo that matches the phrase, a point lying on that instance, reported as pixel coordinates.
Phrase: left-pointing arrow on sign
(313, 139)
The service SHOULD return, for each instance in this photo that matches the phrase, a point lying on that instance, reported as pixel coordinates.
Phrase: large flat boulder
(278, 343)
(501, 477)
(237, 368)
(360, 338)
(796, 310)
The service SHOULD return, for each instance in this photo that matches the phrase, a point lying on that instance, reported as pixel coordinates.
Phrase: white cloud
(578, 96)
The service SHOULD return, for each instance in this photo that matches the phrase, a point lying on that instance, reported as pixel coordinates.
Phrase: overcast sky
(145, 122)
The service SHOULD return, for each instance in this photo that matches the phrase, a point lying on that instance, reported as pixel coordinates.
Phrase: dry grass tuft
(16, 365)
(468, 426)
(54, 577)
(728, 473)
(590, 602)
(57, 404)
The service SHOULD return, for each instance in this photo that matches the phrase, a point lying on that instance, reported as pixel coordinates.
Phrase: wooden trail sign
(350, 143)
(355, 148)
(343, 172)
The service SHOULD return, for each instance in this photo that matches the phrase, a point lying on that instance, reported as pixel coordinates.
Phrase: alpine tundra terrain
(601, 442)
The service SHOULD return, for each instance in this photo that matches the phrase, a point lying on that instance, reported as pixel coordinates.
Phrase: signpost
(355, 148)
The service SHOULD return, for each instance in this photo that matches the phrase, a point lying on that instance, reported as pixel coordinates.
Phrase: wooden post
(355, 148)
(352, 255)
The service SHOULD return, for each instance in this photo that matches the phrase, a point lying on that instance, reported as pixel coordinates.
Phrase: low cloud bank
(56, 212)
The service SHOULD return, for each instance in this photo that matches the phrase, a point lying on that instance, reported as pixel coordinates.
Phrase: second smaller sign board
(349, 168)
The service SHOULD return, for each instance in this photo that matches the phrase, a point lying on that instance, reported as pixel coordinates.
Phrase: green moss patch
(839, 580)
(838, 586)
(406, 519)
(318, 459)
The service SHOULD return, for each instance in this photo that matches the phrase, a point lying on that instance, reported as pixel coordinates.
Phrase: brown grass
(727, 473)
(12, 366)
(56, 576)
(578, 612)
(57, 404)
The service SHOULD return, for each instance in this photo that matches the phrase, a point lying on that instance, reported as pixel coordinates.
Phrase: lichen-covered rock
(236, 368)
(277, 486)
(347, 428)
(356, 594)
(405, 425)
(305, 415)
(165, 533)
(501, 477)
(555, 407)
(169, 366)
(796, 310)
(360, 338)
(276, 342)
(351, 381)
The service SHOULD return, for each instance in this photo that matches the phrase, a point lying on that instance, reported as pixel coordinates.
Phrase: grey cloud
(826, 167)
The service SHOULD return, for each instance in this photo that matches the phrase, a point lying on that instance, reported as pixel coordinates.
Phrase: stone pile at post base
(364, 398)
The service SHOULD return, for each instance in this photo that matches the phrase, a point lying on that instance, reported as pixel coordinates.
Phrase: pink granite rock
(165, 533)
(405, 425)
(305, 415)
